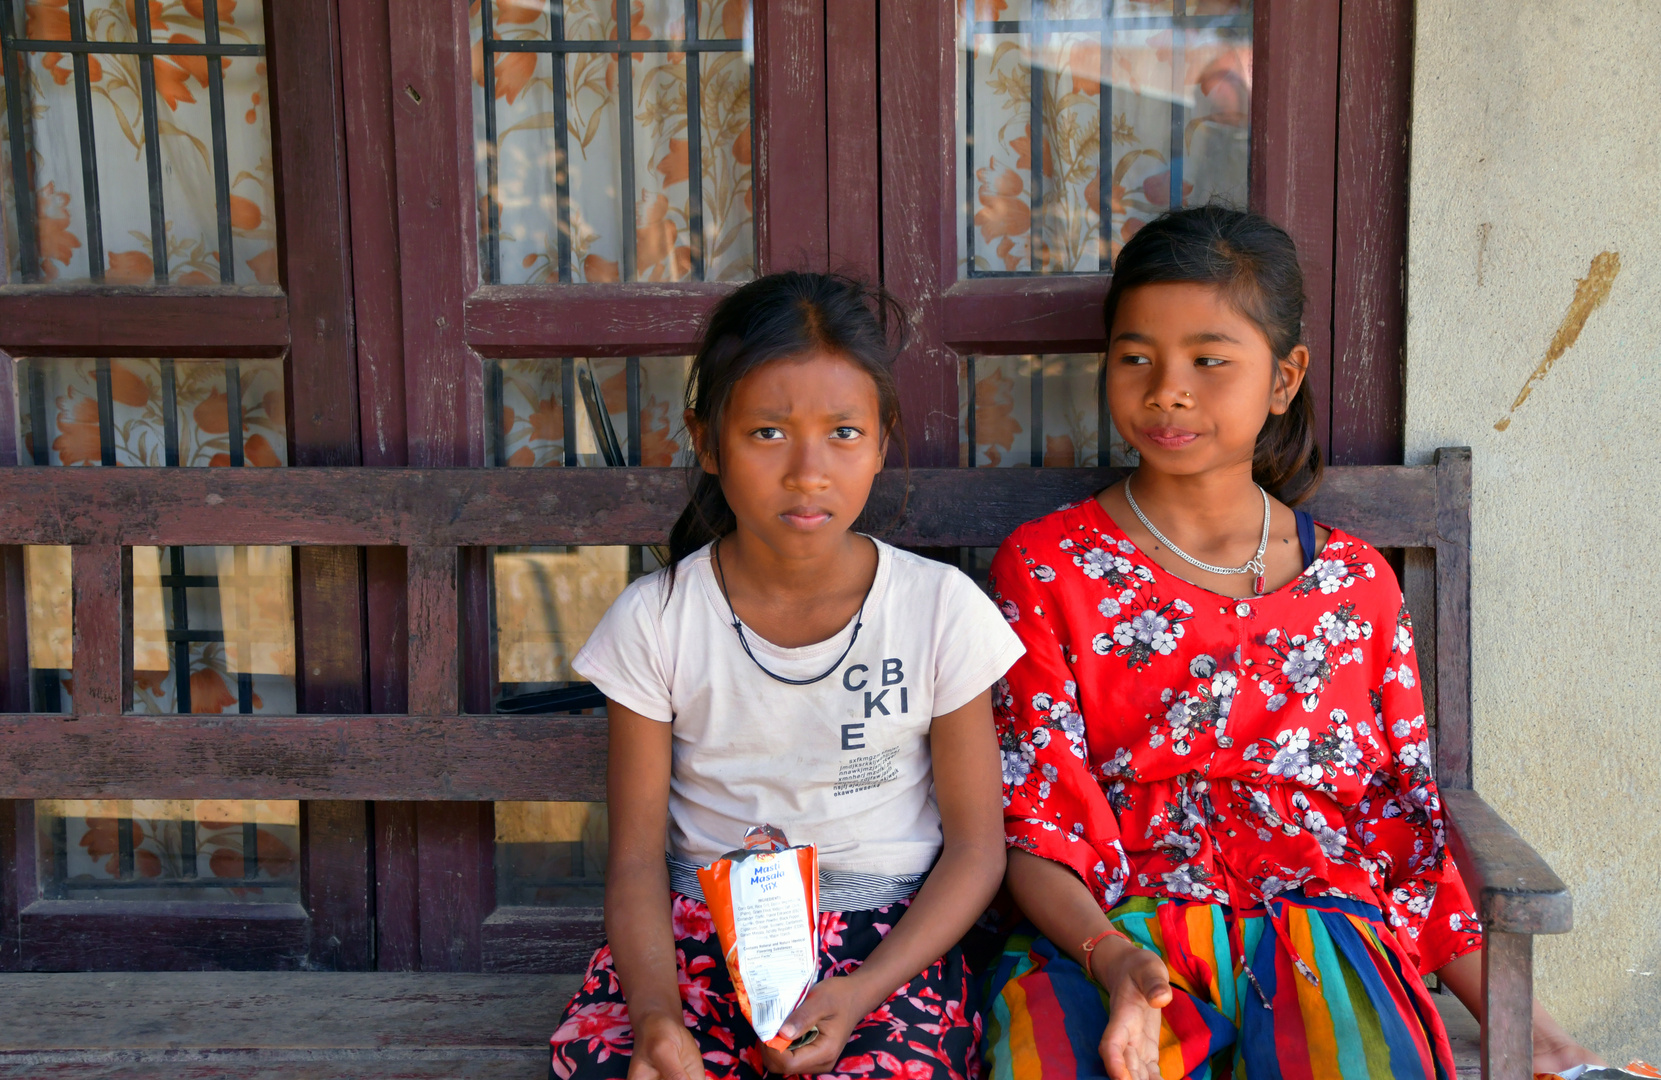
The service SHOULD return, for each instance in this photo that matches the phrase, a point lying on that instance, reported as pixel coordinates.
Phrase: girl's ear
(700, 435)
(1290, 371)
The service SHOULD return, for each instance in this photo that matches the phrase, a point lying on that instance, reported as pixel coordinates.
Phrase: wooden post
(1507, 1030)
(96, 570)
(433, 689)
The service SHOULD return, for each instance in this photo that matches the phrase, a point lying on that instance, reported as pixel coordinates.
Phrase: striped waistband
(839, 890)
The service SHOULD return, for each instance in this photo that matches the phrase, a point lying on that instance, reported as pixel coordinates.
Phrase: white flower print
(1017, 765)
(1043, 573)
(1405, 675)
(1011, 612)
(1291, 753)
(1101, 644)
(1144, 573)
(1109, 607)
(1330, 574)
(1202, 666)
(1127, 597)
(1276, 703)
(1041, 738)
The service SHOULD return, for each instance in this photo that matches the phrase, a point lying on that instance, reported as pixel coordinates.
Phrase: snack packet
(765, 901)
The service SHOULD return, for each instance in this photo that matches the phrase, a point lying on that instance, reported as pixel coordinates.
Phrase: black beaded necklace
(738, 627)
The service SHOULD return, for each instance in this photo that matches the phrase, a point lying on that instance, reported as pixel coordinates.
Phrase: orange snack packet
(764, 898)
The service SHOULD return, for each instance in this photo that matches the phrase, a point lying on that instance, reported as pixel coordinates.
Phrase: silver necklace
(1254, 567)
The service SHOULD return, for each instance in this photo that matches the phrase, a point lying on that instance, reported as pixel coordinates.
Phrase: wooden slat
(128, 321)
(1515, 891)
(1022, 315)
(855, 214)
(640, 319)
(98, 621)
(304, 757)
(328, 616)
(334, 845)
(791, 197)
(1294, 157)
(1388, 506)
(1369, 321)
(455, 881)
(433, 621)
(139, 935)
(542, 938)
(1453, 616)
(397, 908)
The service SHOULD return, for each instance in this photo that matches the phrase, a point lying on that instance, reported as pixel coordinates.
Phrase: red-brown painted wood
(14, 632)
(96, 585)
(388, 629)
(303, 757)
(1369, 309)
(123, 321)
(645, 319)
(918, 95)
(532, 939)
(1453, 617)
(854, 236)
(397, 908)
(97, 935)
(1022, 315)
(433, 644)
(334, 853)
(1295, 47)
(437, 231)
(9, 899)
(328, 619)
(791, 197)
(456, 882)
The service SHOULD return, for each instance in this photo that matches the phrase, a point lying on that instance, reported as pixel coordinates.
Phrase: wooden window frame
(308, 318)
(1330, 111)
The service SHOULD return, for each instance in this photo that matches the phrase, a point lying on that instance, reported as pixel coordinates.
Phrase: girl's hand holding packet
(764, 898)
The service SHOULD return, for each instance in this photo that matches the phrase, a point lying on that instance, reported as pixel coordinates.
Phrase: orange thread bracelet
(1089, 947)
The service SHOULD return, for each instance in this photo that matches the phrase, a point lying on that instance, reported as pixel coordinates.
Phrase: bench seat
(316, 1026)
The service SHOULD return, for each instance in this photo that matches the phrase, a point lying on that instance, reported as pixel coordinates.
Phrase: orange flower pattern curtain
(137, 169)
(588, 170)
(1081, 120)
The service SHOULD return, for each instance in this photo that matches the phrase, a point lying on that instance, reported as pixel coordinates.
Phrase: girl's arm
(637, 897)
(1065, 911)
(1554, 1049)
(958, 889)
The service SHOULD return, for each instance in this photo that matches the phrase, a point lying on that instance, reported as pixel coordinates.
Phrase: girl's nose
(808, 470)
(1166, 392)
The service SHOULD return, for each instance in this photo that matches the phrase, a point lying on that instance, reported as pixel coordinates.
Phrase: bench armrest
(1513, 888)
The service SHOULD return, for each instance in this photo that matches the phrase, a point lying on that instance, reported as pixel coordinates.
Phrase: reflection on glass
(167, 849)
(1081, 120)
(1035, 411)
(163, 173)
(618, 411)
(576, 187)
(550, 853)
(223, 615)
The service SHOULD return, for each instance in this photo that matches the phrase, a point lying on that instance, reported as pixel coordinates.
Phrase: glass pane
(1057, 94)
(177, 143)
(155, 849)
(568, 191)
(618, 411)
(1035, 411)
(550, 853)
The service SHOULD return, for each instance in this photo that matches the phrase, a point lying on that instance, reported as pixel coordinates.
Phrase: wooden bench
(437, 752)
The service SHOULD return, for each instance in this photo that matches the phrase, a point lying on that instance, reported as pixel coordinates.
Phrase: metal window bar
(1037, 380)
(1035, 143)
(14, 49)
(568, 407)
(692, 44)
(1041, 27)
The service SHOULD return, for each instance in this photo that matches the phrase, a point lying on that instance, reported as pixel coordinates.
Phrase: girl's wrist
(1100, 961)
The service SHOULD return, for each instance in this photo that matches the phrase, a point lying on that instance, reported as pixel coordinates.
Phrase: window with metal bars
(1083, 119)
(591, 169)
(116, 170)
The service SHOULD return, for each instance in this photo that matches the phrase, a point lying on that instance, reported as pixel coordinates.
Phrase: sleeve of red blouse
(1053, 807)
(1399, 822)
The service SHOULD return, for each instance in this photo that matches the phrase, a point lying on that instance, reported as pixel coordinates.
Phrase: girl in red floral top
(1217, 777)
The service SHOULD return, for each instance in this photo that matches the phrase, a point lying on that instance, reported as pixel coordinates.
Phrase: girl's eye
(1210, 361)
(1134, 358)
(847, 433)
(768, 433)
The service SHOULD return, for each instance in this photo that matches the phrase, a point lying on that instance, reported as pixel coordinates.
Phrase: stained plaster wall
(1536, 146)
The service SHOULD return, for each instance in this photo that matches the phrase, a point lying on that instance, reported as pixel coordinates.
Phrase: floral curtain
(533, 118)
(59, 196)
(998, 392)
(1176, 89)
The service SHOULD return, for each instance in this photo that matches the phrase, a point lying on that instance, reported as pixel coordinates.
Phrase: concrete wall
(1536, 133)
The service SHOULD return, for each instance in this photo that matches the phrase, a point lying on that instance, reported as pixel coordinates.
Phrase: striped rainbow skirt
(1325, 995)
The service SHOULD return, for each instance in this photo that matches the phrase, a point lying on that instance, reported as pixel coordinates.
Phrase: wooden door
(171, 301)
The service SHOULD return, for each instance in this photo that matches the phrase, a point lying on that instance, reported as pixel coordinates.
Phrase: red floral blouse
(1164, 740)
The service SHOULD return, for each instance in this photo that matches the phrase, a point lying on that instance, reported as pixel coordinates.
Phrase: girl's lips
(805, 517)
(1170, 438)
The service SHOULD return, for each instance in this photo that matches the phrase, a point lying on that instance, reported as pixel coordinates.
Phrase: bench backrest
(438, 752)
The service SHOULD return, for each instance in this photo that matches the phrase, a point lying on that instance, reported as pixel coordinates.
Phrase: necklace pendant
(1257, 585)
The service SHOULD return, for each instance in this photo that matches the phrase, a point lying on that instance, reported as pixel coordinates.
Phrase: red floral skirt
(926, 1030)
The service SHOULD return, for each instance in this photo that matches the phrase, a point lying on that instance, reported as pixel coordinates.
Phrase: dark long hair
(1255, 264)
(774, 318)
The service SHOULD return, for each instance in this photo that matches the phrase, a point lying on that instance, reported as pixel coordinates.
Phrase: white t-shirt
(842, 763)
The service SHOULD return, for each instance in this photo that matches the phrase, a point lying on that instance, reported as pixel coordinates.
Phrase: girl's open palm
(1139, 988)
(665, 1050)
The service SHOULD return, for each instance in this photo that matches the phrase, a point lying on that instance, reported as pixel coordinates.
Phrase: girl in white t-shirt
(787, 670)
